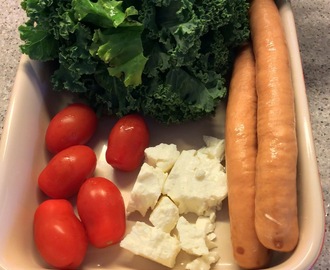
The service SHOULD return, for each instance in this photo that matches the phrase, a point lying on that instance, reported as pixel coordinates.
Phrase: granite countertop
(312, 23)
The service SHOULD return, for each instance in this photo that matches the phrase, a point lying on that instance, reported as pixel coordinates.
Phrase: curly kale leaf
(165, 58)
(121, 48)
(103, 13)
(48, 25)
(190, 47)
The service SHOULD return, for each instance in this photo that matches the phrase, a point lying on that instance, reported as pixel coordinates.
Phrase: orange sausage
(241, 152)
(276, 218)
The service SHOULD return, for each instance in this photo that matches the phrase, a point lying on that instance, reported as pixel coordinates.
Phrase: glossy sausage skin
(241, 153)
(276, 218)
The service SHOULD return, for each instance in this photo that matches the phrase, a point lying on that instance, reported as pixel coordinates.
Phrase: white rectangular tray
(23, 155)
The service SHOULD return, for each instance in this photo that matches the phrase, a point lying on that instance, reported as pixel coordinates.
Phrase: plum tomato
(66, 171)
(127, 141)
(101, 209)
(59, 235)
(73, 125)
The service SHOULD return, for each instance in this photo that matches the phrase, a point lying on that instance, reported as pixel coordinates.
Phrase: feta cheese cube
(196, 183)
(192, 238)
(210, 241)
(204, 262)
(162, 156)
(206, 224)
(152, 243)
(165, 215)
(146, 190)
(215, 148)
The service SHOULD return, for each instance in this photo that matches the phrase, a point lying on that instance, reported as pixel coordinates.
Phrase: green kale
(164, 58)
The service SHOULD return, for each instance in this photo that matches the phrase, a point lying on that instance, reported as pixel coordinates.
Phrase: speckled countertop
(312, 23)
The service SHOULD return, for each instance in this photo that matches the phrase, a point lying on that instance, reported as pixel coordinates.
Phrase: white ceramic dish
(23, 155)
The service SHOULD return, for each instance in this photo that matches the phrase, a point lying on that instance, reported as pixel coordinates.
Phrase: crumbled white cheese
(152, 243)
(165, 215)
(192, 238)
(174, 184)
(206, 224)
(162, 156)
(204, 262)
(147, 189)
(196, 183)
(214, 148)
(210, 241)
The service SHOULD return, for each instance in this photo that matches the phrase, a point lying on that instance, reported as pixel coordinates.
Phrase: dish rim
(306, 142)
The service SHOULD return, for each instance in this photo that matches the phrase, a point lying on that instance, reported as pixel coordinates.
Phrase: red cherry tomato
(66, 171)
(101, 209)
(126, 143)
(59, 235)
(74, 125)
